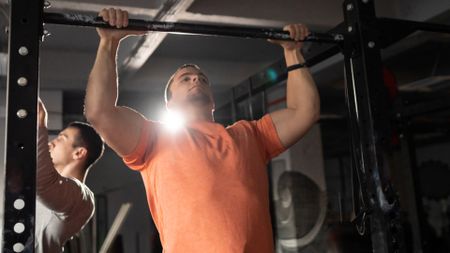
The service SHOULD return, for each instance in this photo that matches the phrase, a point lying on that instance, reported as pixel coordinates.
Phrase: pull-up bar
(186, 28)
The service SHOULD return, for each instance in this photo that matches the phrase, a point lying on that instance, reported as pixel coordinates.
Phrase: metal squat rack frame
(359, 38)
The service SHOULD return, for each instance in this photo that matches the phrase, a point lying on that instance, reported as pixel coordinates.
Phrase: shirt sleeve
(65, 196)
(268, 136)
(137, 159)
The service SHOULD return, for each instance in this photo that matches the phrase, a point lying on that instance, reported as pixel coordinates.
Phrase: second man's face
(62, 147)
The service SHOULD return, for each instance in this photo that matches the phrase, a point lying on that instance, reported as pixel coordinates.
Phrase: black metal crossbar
(186, 28)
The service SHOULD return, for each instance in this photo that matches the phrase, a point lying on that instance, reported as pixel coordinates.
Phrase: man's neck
(194, 113)
(190, 117)
(72, 171)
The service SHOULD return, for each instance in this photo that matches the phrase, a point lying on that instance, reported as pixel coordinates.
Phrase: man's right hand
(116, 18)
(42, 114)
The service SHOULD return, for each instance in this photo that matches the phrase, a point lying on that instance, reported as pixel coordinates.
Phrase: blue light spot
(272, 75)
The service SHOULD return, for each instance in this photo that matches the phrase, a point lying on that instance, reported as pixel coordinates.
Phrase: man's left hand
(298, 33)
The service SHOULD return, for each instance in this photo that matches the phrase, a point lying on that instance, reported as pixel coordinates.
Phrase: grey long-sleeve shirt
(63, 206)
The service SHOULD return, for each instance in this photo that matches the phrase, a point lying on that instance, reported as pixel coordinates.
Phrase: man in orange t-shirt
(206, 185)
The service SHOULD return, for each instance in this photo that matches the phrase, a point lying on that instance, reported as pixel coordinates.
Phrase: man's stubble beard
(199, 98)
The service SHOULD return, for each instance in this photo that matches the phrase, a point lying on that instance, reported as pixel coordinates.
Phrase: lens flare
(173, 120)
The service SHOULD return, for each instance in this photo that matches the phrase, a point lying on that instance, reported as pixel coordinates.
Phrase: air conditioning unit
(299, 193)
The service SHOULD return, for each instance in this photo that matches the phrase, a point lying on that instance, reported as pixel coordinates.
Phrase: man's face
(62, 148)
(191, 86)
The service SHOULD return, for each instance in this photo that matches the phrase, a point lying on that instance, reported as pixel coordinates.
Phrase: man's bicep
(120, 129)
(291, 125)
(73, 215)
(62, 194)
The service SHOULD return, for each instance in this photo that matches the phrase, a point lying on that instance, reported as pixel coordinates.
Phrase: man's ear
(79, 153)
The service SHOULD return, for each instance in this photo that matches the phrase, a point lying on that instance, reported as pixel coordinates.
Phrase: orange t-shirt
(207, 186)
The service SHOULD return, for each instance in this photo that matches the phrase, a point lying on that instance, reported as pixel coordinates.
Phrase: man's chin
(199, 98)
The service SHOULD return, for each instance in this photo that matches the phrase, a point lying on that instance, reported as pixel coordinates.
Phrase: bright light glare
(173, 120)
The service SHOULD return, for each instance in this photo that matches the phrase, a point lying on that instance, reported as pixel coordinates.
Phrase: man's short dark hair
(167, 92)
(89, 139)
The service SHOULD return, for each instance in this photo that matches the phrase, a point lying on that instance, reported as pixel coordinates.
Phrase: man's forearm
(46, 173)
(302, 95)
(302, 98)
(101, 92)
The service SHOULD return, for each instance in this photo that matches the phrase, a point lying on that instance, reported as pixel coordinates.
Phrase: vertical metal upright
(369, 118)
(250, 100)
(25, 29)
(234, 115)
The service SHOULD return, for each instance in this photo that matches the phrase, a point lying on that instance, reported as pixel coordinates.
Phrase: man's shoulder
(239, 123)
(84, 206)
(241, 128)
(86, 196)
(249, 124)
